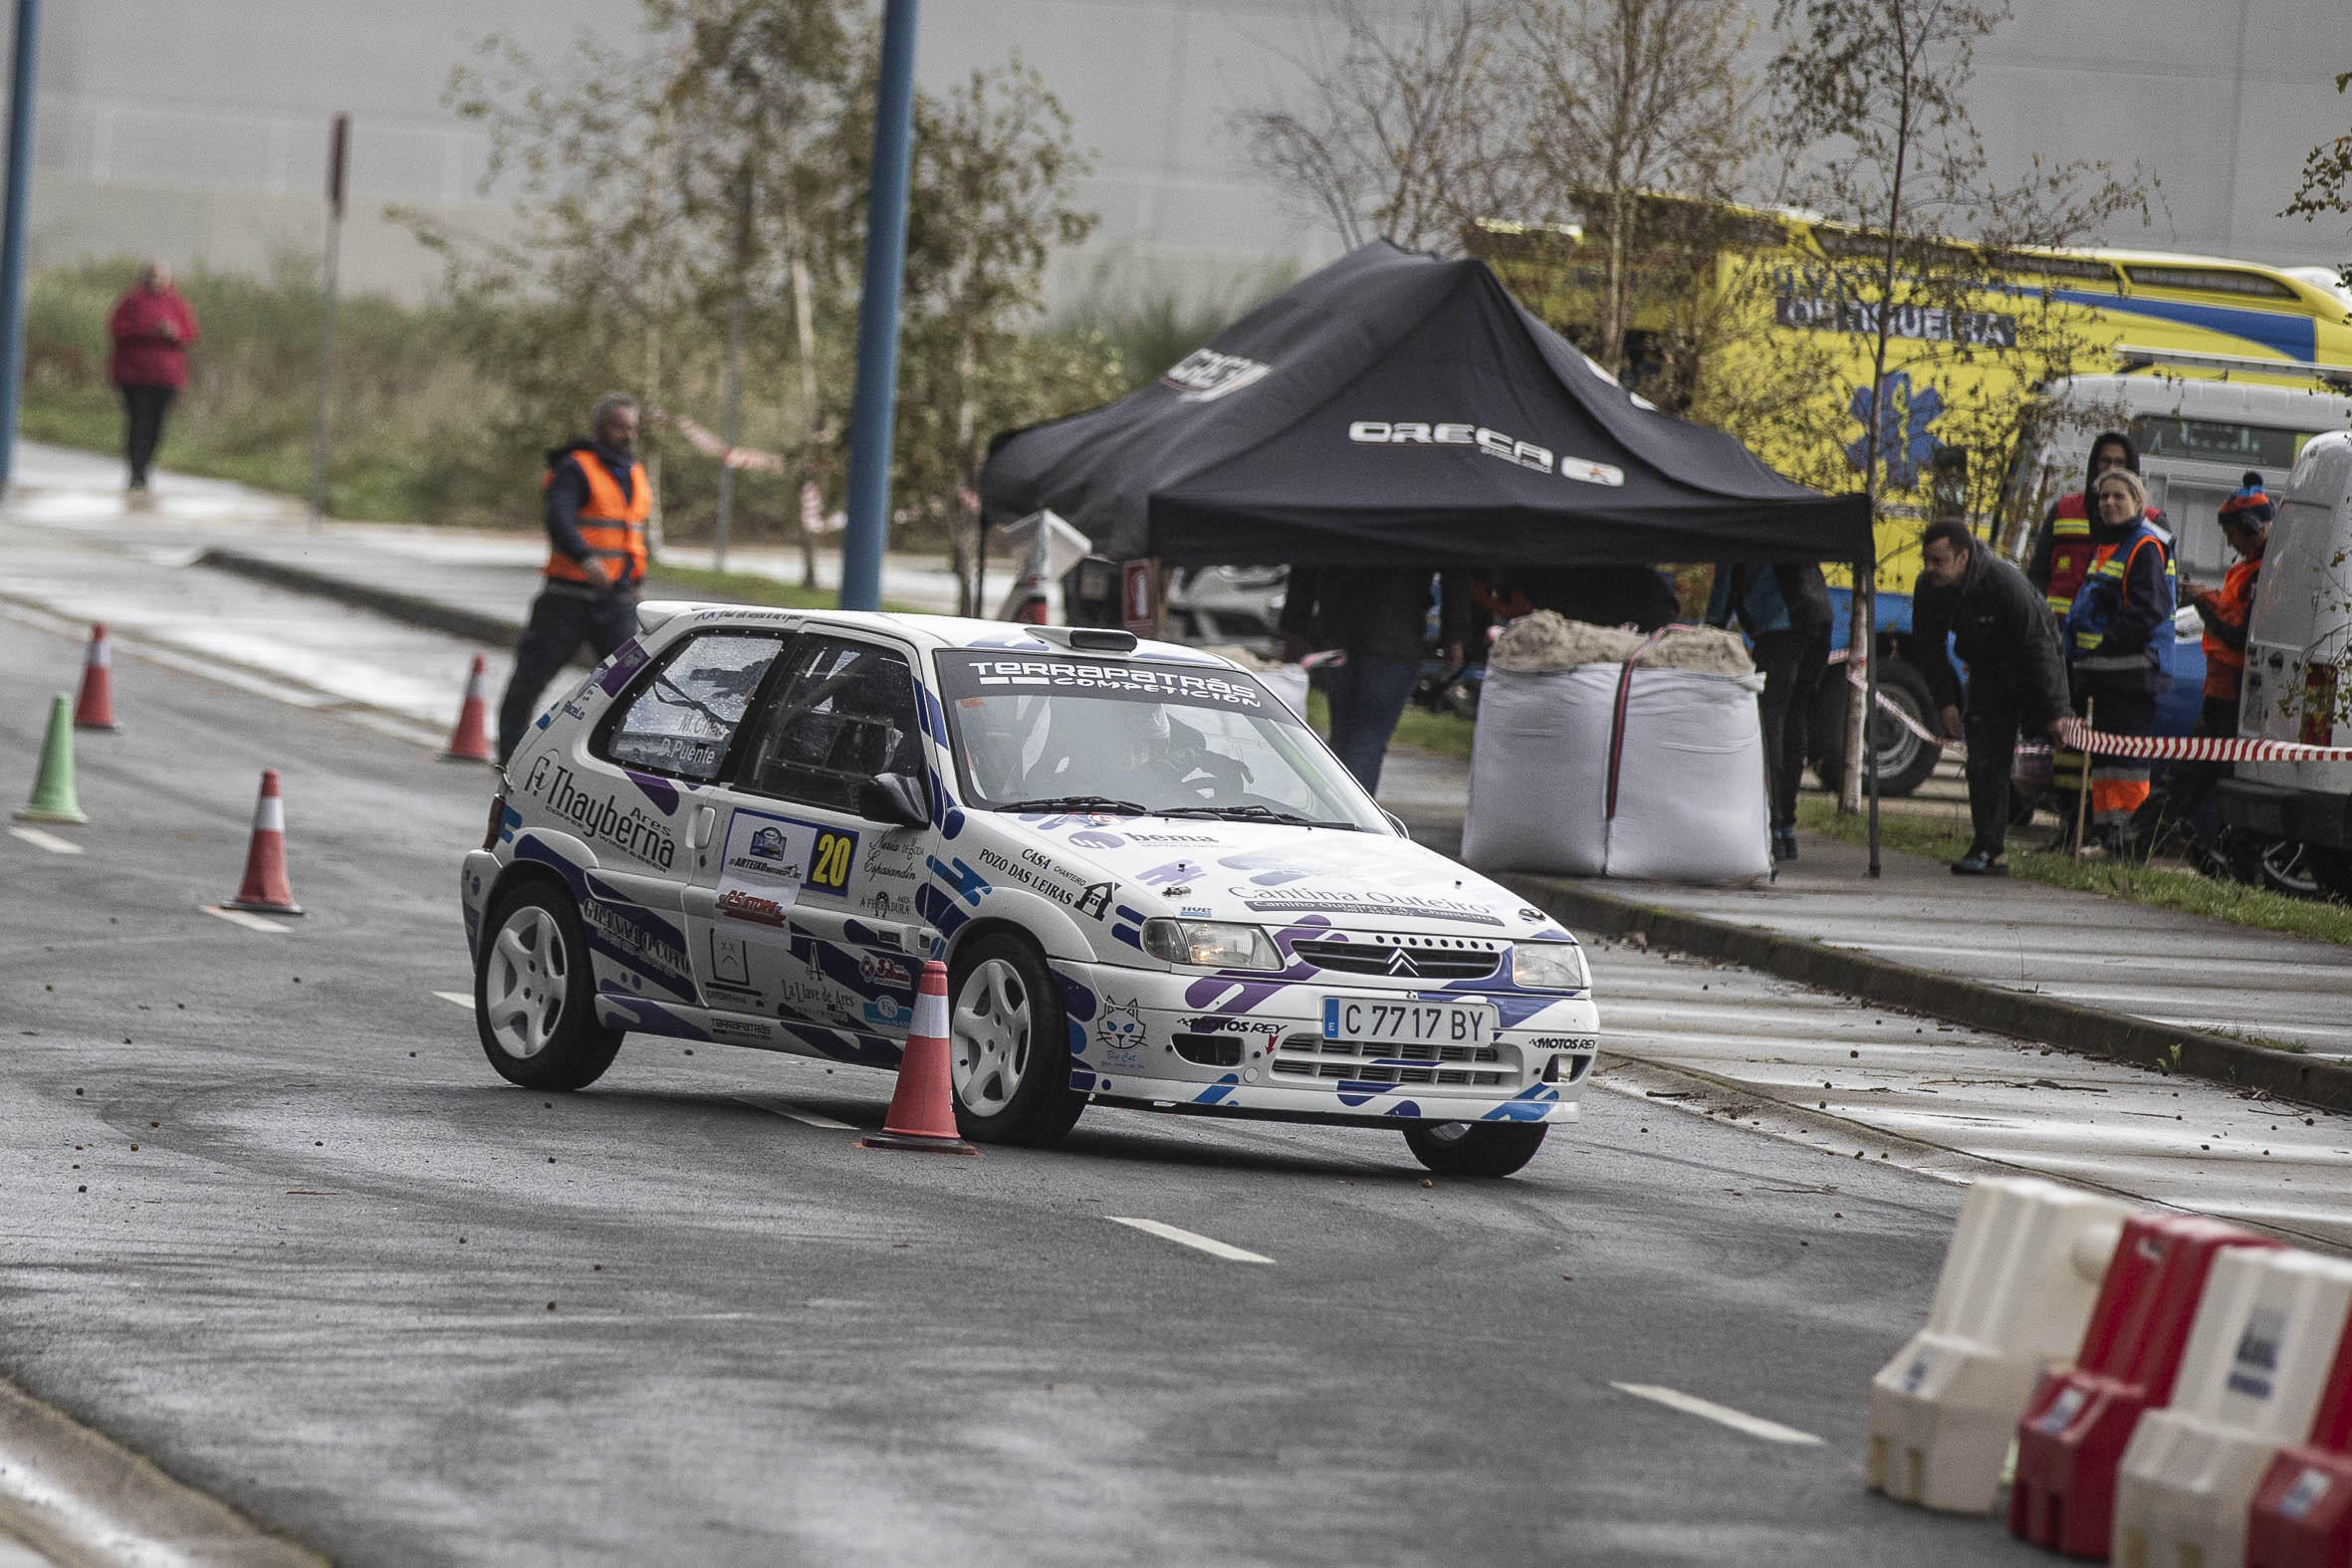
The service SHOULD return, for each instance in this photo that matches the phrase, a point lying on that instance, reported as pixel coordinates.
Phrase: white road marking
(1737, 1420)
(238, 917)
(1205, 1243)
(791, 1112)
(458, 997)
(48, 841)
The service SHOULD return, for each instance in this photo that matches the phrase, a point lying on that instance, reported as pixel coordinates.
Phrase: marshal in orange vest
(612, 523)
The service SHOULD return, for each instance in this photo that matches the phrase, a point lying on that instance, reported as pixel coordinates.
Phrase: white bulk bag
(1691, 804)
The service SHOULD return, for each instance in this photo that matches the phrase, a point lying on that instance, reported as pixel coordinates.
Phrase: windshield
(1042, 734)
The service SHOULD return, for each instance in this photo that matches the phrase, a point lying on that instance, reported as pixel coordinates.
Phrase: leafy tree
(1874, 91)
(989, 199)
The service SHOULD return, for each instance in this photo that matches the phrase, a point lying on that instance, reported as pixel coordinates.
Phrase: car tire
(1475, 1148)
(535, 992)
(1008, 1041)
(1905, 761)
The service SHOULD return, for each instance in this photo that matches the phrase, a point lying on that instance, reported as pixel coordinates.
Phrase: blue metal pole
(876, 402)
(12, 230)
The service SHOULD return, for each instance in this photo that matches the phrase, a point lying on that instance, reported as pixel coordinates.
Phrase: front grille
(1468, 1066)
(1403, 957)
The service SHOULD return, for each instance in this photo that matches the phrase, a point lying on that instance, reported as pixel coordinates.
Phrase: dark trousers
(1989, 728)
(143, 427)
(560, 622)
(1792, 664)
(2173, 806)
(1367, 697)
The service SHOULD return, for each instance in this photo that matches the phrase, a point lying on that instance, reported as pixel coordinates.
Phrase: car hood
(1272, 874)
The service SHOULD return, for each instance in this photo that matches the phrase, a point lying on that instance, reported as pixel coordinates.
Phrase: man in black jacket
(2006, 635)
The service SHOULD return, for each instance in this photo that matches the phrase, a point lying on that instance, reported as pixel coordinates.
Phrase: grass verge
(2160, 887)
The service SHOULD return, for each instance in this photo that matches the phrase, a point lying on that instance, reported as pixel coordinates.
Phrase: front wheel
(535, 994)
(1009, 1045)
(1475, 1148)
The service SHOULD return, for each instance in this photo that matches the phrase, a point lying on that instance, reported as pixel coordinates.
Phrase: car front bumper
(1253, 1046)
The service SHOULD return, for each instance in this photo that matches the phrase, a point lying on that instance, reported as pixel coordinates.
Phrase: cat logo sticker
(1119, 1032)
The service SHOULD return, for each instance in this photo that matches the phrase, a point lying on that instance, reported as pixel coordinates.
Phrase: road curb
(86, 1501)
(415, 609)
(2044, 1020)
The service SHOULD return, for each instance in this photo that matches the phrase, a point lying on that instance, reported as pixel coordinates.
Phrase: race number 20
(828, 864)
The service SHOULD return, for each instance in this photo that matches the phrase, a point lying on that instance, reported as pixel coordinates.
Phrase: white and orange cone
(923, 1106)
(94, 709)
(470, 741)
(266, 890)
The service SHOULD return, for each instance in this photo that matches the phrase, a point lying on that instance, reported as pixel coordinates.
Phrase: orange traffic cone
(266, 890)
(94, 709)
(470, 741)
(923, 1107)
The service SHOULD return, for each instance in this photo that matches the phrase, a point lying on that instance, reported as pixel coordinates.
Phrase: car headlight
(1548, 966)
(1210, 944)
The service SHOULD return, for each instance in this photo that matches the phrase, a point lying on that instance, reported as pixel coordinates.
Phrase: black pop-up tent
(1395, 409)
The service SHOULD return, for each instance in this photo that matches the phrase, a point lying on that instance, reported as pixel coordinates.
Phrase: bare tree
(1402, 132)
(1626, 98)
(2327, 179)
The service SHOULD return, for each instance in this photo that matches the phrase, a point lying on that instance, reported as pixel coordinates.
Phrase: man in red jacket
(151, 327)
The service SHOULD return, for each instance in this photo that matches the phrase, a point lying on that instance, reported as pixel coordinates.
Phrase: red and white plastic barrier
(2024, 1265)
(2071, 1440)
(2302, 1513)
(2257, 1356)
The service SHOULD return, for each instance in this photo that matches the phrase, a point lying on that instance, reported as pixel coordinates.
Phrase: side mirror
(894, 798)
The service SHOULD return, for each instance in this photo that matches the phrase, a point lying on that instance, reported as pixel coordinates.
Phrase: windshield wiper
(1079, 802)
(1249, 813)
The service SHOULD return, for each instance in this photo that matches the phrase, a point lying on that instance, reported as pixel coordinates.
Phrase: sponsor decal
(885, 1012)
(619, 925)
(890, 863)
(1565, 1042)
(1491, 443)
(1530, 912)
(1095, 900)
(1205, 375)
(726, 1027)
(1362, 901)
(769, 860)
(1170, 838)
(731, 962)
(602, 819)
(882, 904)
(1119, 1031)
(969, 674)
(886, 970)
(1223, 1025)
(1194, 911)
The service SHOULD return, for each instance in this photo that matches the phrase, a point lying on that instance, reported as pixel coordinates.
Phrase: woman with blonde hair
(2118, 630)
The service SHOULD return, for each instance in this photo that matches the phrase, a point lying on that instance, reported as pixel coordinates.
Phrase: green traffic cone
(53, 791)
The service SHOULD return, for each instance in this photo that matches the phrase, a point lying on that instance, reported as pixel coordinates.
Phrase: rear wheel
(1905, 761)
(1474, 1148)
(1009, 1045)
(535, 992)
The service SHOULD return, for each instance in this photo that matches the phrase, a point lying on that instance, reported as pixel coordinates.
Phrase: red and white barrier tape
(2079, 737)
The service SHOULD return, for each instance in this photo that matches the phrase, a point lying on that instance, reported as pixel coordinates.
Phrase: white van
(2298, 647)
(2197, 440)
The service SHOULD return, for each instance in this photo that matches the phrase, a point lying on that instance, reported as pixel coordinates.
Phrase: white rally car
(1149, 881)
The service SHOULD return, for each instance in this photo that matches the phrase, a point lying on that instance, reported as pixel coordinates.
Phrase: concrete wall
(195, 129)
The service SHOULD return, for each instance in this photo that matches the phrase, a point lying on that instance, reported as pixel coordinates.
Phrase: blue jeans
(1367, 697)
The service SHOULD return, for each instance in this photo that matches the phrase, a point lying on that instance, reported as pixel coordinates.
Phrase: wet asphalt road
(330, 1269)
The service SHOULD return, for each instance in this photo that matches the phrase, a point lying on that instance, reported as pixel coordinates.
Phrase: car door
(635, 795)
(803, 910)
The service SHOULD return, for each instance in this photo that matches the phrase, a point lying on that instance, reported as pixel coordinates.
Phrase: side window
(680, 721)
(840, 714)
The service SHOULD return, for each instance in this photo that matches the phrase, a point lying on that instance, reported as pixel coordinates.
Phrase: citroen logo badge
(1401, 963)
